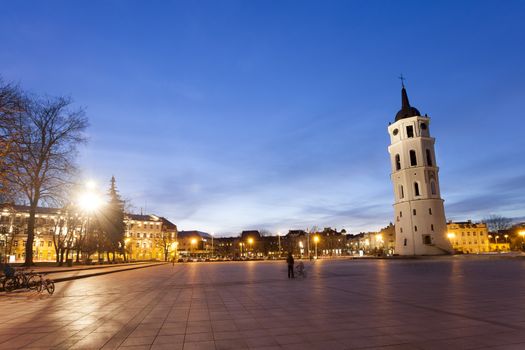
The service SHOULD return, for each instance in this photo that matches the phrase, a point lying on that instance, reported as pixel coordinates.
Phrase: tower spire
(406, 110)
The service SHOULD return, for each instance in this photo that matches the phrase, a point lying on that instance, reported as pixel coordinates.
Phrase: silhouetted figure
(290, 262)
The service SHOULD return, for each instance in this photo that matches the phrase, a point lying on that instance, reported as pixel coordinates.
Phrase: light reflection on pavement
(343, 304)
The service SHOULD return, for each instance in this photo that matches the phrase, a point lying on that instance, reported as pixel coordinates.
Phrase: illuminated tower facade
(420, 222)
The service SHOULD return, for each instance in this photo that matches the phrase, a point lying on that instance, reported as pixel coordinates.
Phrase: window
(431, 227)
(410, 131)
(432, 187)
(413, 159)
(429, 158)
(138, 244)
(427, 239)
(401, 230)
(397, 159)
(16, 243)
(400, 214)
(415, 228)
(138, 235)
(41, 243)
(405, 242)
(401, 192)
(430, 211)
(416, 189)
(414, 211)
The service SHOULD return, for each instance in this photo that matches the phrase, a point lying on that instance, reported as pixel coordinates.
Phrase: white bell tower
(419, 213)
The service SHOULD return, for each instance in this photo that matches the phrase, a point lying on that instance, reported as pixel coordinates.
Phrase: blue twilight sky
(230, 115)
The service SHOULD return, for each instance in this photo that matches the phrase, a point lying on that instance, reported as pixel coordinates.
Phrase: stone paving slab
(350, 304)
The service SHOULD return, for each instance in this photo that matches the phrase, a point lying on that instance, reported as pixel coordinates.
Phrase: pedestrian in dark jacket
(290, 262)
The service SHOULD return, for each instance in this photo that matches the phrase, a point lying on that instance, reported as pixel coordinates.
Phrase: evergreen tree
(112, 222)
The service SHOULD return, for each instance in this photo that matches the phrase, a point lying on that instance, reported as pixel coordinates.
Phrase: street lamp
(522, 234)
(279, 242)
(250, 242)
(316, 240)
(212, 253)
(193, 243)
(89, 201)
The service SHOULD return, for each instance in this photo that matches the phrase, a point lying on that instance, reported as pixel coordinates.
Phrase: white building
(420, 222)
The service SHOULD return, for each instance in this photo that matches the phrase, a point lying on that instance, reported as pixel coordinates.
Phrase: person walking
(290, 262)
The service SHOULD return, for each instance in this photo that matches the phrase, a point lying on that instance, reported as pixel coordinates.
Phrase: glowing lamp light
(316, 239)
(193, 241)
(250, 240)
(89, 201)
(451, 235)
(91, 185)
(522, 233)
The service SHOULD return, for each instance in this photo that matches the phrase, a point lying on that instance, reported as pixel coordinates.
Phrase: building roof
(406, 110)
(185, 234)
(25, 209)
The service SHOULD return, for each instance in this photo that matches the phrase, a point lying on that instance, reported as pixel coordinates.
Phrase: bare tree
(41, 163)
(496, 223)
(11, 103)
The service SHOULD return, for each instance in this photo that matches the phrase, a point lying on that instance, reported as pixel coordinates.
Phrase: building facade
(420, 222)
(147, 237)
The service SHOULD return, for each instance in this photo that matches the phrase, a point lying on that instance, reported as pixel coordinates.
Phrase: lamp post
(212, 253)
(89, 201)
(522, 234)
(279, 242)
(250, 242)
(316, 240)
(193, 243)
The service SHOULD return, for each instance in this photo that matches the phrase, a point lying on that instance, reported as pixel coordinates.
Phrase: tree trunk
(61, 262)
(78, 256)
(30, 233)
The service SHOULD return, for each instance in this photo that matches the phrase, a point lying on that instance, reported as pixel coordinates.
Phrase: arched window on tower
(416, 189)
(413, 159)
(429, 158)
(401, 192)
(398, 162)
(432, 187)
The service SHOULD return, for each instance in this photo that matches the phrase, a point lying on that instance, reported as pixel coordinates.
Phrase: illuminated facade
(474, 238)
(146, 237)
(420, 225)
(150, 237)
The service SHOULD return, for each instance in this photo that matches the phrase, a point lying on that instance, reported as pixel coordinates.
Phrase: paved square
(441, 303)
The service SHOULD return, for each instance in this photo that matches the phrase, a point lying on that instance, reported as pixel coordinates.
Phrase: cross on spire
(402, 78)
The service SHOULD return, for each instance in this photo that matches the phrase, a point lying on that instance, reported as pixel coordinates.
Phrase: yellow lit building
(147, 237)
(468, 237)
(150, 237)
